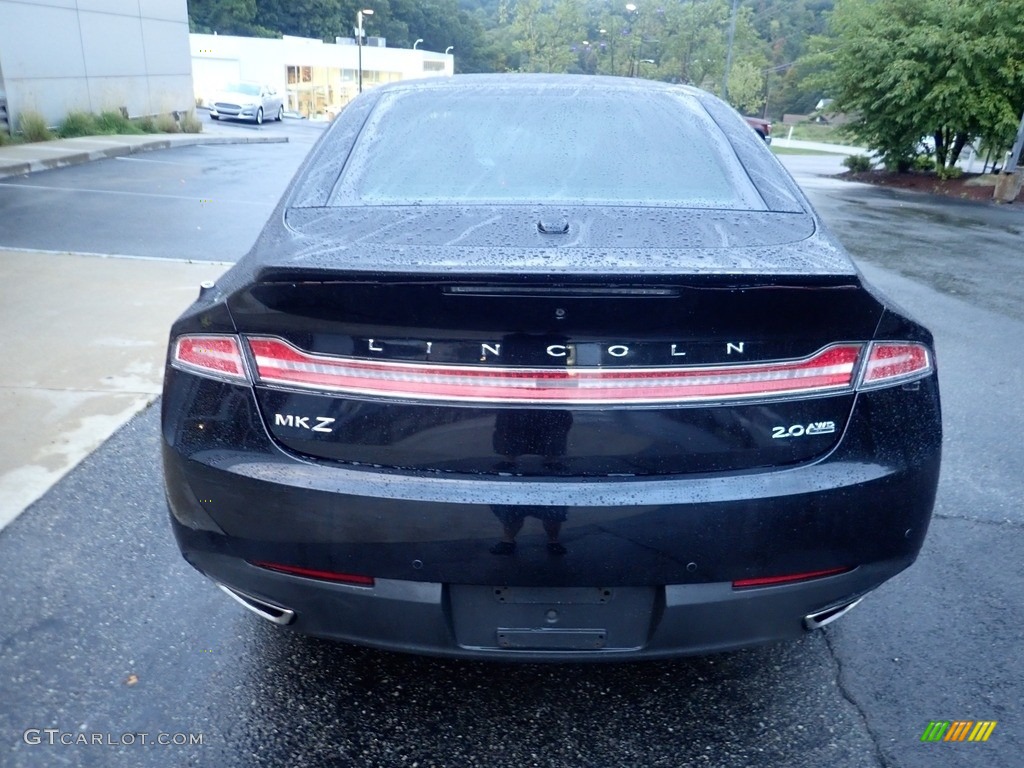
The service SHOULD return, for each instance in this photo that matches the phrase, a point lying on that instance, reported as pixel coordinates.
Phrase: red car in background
(763, 127)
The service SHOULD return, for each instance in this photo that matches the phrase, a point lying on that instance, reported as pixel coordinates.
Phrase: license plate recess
(552, 618)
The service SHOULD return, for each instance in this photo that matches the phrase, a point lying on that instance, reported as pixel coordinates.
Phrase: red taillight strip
(278, 362)
(210, 355)
(767, 581)
(353, 579)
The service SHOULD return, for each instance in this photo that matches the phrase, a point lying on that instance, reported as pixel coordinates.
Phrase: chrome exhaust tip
(273, 613)
(823, 618)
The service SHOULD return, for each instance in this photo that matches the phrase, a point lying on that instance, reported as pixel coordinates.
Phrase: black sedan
(548, 368)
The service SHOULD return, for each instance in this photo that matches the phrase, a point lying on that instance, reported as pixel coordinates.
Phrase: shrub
(857, 163)
(147, 124)
(5, 139)
(112, 121)
(78, 123)
(952, 172)
(32, 126)
(924, 163)
(166, 124)
(190, 123)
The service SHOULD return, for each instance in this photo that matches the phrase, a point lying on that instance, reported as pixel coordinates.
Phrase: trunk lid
(433, 339)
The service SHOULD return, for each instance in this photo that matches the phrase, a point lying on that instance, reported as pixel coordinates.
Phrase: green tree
(546, 35)
(227, 17)
(949, 69)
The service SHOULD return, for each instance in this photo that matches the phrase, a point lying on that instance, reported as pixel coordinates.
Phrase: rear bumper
(667, 548)
(441, 620)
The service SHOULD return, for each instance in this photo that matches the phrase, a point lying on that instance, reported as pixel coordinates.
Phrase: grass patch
(166, 124)
(32, 126)
(147, 124)
(113, 122)
(829, 134)
(190, 123)
(77, 124)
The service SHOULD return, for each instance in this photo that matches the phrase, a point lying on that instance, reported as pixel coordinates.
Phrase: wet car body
(452, 413)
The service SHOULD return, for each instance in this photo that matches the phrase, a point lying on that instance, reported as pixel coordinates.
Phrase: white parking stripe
(171, 260)
(44, 188)
(158, 162)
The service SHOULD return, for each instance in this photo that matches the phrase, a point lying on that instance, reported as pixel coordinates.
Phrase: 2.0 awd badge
(802, 430)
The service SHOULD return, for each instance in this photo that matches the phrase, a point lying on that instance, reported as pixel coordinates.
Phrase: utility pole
(1009, 182)
(1014, 162)
(728, 55)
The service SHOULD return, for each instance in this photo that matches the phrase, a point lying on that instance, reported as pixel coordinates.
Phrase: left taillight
(214, 356)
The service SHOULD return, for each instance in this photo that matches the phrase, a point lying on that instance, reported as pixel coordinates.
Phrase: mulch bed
(967, 187)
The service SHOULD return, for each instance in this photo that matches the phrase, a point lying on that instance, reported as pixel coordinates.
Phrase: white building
(318, 78)
(94, 55)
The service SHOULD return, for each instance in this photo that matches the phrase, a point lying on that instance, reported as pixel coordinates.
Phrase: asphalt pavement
(107, 636)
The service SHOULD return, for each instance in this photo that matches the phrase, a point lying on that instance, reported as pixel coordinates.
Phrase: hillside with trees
(683, 41)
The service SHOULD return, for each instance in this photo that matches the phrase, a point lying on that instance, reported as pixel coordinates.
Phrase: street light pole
(634, 50)
(728, 55)
(359, 41)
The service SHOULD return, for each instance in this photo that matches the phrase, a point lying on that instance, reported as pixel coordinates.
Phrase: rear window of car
(526, 146)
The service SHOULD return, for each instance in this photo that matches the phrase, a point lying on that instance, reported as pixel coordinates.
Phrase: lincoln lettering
(492, 350)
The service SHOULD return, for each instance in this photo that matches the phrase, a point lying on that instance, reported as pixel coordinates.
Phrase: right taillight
(894, 362)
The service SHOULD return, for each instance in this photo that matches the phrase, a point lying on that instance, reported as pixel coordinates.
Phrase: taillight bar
(216, 356)
(895, 362)
(280, 363)
(831, 369)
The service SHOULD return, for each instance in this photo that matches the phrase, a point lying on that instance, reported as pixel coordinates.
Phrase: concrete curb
(23, 159)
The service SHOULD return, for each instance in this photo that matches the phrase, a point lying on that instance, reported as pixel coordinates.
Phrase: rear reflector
(768, 581)
(311, 573)
(829, 370)
(216, 356)
(893, 362)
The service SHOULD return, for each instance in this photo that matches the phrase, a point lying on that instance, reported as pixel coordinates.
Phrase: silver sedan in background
(248, 101)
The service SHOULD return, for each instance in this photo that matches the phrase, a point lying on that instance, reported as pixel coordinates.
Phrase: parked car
(762, 127)
(248, 101)
(547, 368)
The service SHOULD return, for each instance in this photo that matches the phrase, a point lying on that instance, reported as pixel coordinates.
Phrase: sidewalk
(84, 337)
(18, 159)
(83, 345)
(819, 146)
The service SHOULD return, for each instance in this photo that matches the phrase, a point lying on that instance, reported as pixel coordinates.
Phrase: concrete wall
(95, 55)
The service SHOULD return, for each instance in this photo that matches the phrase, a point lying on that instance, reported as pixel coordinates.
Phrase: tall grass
(32, 126)
(111, 121)
(166, 124)
(190, 123)
(77, 124)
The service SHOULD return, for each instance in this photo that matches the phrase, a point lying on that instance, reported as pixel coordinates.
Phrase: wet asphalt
(106, 633)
